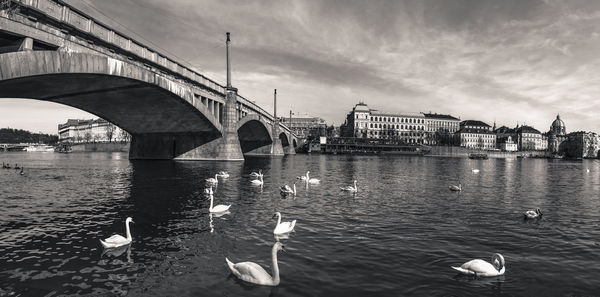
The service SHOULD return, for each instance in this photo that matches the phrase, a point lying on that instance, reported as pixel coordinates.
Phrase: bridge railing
(63, 13)
(262, 111)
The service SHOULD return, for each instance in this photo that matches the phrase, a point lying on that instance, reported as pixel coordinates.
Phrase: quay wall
(101, 147)
(457, 151)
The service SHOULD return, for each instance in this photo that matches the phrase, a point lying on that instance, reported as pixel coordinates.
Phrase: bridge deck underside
(253, 135)
(133, 105)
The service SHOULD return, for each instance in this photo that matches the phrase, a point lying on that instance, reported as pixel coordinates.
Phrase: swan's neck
(275, 267)
(294, 189)
(355, 186)
(307, 176)
(278, 219)
(127, 231)
(211, 202)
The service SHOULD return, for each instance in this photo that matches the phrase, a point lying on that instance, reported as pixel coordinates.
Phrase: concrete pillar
(276, 146)
(26, 44)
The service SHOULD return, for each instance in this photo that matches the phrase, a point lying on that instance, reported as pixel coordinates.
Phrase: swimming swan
(311, 180)
(118, 240)
(285, 189)
(456, 188)
(255, 174)
(223, 174)
(213, 180)
(257, 182)
(479, 267)
(475, 170)
(350, 188)
(254, 273)
(217, 208)
(533, 214)
(303, 177)
(283, 227)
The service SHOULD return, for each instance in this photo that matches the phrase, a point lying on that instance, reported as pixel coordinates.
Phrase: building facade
(98, 130)
(475, 134)
(530, 139)
(557, 135)
(440, 128)
(363, 122)
(304, 127)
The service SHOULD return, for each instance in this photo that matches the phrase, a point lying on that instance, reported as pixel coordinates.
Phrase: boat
(479, 156)
(64, 148)
(39, 148)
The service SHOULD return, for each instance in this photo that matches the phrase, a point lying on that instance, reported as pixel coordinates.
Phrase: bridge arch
(284, 137)
(254, 132)
(131, 97)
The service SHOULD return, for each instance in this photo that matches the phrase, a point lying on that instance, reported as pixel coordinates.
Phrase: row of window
(402, 127)
(394, 120)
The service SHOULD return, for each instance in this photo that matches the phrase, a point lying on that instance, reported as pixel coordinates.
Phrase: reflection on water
(398, 235)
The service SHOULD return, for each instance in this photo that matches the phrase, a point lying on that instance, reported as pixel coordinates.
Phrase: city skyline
(510, 62)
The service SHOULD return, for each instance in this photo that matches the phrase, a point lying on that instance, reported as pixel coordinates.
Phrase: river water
(398, 236)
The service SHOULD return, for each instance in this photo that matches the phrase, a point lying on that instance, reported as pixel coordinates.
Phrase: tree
(110, 130)
(87, 136)
(10, 6)
(124, 136)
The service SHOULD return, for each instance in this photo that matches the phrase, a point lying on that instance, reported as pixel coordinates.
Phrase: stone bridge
(53, 52)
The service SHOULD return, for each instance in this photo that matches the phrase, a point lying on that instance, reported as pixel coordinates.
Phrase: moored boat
(480, 156)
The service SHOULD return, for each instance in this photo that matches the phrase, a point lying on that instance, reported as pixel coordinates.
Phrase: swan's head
(276, 215)
(278, 246)
(538, 211)
(498, 261)
(129, 220)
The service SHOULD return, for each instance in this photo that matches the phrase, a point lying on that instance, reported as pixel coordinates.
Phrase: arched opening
(284, 139)
(253, 135)
(295, 143)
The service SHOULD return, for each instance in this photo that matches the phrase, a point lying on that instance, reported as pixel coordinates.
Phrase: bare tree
(10, 6)
(87, 136)
(125, 136)
(110, 130)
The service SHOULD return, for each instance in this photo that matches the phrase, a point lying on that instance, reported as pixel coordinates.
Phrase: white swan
(213, 180)
(350, 188)
(303, 177)
(217, 208)
(479, 267)
(254, 273)
(223, 174)
(256, 174)
(533, 214)
(285, 189)
(118, 240)
(283, 227)
(257, 182)
(475, 170)
(456, 188)
(311, 180)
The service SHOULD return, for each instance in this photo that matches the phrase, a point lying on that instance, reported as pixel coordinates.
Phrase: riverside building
(364, 122)
(305, 126)
(475, 134)
(98, 130)
(440, 128)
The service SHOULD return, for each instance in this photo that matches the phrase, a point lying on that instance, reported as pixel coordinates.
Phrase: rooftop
(474, 123)
(440, 116)
(527, 129)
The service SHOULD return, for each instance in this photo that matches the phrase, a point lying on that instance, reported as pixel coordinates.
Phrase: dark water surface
(397, 237)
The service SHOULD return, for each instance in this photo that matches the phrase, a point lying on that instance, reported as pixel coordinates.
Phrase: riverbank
(101, 147)
(455, 151)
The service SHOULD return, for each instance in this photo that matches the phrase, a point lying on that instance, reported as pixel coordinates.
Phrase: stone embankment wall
(101, 147)
(456, 151)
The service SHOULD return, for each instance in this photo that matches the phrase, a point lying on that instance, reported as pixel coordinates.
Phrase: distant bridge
(53, 52)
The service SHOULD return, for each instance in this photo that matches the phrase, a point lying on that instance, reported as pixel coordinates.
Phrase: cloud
(507, 60)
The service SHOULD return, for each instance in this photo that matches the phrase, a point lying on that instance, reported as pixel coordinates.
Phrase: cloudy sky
(510, 61)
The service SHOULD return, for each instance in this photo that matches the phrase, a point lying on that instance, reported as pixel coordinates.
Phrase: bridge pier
(193, 146)
(289, 150)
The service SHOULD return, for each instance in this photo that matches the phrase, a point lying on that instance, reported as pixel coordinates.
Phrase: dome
(558, 126)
